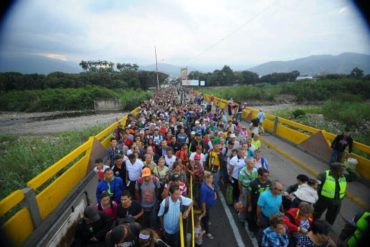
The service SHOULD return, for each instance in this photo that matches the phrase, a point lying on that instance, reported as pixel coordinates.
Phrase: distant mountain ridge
(312, 65)
(318, 64)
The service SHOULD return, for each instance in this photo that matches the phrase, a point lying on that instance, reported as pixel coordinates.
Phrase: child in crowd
(100, 168)
(199, 232)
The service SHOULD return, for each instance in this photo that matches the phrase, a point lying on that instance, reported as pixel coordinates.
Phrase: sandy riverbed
(43, 123)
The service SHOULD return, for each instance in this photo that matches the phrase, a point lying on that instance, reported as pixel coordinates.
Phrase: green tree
(357, 73)
(84, 65)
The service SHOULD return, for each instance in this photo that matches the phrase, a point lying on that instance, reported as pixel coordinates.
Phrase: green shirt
(246, 176)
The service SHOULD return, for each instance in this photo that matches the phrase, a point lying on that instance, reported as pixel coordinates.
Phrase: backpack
(167, 205)
(140, 181)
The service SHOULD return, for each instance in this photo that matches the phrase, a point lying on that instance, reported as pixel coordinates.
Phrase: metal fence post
(31, 203)
(276, 122)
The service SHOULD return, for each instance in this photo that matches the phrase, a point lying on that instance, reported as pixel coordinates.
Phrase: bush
(22, 158)
(298, 113)
(63, 99)
(349, 113)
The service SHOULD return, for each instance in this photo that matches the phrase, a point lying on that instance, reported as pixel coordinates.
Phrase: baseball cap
(146, 172)
(232, 135)
(91, 213)
(193, 133)
(197, 157)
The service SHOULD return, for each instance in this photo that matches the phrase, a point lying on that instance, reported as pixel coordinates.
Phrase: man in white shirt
(169, 157)
(234, 167)
(133, 168)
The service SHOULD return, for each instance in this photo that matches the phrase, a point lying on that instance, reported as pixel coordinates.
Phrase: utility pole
(156, 66)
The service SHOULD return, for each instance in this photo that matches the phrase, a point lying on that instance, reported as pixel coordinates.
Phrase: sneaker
(210, 236)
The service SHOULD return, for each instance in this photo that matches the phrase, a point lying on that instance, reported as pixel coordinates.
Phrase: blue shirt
(114, 188)
(171, 218)
(207, 195)
(270, 238)
(269, 203)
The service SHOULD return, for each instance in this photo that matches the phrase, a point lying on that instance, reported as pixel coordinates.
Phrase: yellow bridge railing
(295, 132)
(32, 205)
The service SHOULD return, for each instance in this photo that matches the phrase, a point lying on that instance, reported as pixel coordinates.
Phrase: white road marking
(234, 228)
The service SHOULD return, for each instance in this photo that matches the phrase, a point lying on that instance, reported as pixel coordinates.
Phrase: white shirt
(134, 170)
(237, 164)
(169, 161)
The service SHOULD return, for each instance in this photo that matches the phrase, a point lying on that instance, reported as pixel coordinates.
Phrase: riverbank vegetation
(24, 157)
(64, 99)
(339, 102)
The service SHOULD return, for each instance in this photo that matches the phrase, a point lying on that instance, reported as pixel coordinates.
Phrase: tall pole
(156, 66)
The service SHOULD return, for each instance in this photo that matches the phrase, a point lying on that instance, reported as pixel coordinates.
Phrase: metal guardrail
(295, 132)
(33, 204)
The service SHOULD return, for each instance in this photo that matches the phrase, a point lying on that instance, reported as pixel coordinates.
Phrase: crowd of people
(144, 182)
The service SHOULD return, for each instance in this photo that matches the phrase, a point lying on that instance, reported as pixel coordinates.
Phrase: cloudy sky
(185, 32)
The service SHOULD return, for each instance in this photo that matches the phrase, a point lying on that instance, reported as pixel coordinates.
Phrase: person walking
(169, 213)
(207, 200)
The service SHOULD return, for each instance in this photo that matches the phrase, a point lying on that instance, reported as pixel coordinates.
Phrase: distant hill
(36, 64)
(169, 69)
(318, 64)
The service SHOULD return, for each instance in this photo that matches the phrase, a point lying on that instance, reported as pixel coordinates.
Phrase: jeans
(205, 219)
(149, 217)
(236, 190)
(216, 179)
(244, 200)
(172, 239)
(336, 156)
(331, 206)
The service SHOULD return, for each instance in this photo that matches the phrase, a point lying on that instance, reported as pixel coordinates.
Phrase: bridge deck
(286, 171)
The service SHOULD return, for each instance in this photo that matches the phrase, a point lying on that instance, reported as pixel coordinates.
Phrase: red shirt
(111, 210)
(293, 225)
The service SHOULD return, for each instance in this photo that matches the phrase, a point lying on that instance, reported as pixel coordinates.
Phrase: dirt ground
(43, 123)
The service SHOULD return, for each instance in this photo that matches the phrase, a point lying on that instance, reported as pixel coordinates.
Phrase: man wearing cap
(146, 190)
(232, 137)
(198, 151)
(331, 192)
(93, 227)
(197, 141)
(197, 171)
(111, 184)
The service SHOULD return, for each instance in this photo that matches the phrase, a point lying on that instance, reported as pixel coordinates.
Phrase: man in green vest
(331, 192)
(356, 231)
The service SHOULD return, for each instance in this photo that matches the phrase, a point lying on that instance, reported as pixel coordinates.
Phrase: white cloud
(191, 31)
